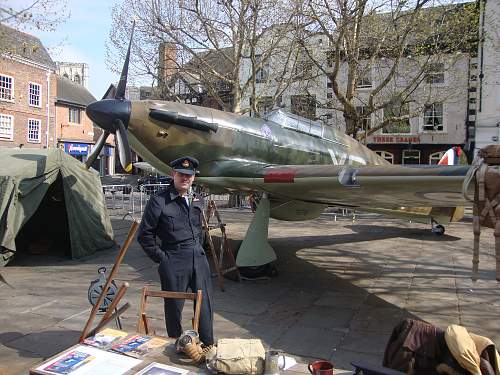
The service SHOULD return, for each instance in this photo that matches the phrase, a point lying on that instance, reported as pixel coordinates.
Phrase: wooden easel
(218, 257)
(109, 315)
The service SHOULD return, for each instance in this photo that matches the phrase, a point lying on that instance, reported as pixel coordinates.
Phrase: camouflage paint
(240, 138)
(244, 151)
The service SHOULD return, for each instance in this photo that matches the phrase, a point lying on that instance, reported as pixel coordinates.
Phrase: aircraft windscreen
(292, 121)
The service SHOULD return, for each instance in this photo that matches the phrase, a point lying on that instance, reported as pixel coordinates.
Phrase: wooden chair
(142, 323)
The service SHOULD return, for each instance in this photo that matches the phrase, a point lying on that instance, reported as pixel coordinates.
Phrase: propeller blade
(110, 92)
(120, 91)
(97, 149)
(123, 146)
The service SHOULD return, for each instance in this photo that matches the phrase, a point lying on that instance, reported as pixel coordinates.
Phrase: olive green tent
(48, 198)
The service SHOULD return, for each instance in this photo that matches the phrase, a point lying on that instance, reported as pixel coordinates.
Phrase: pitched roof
(194, 72)
(216, 59)
(69, 92)
(21, 44)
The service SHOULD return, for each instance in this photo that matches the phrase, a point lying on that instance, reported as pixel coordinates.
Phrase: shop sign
(396, 139)
(76, 148)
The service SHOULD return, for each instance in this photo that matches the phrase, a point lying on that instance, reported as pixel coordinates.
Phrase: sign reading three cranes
(396, 139)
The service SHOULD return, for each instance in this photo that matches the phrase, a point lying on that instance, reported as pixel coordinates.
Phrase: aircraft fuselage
(238, 138)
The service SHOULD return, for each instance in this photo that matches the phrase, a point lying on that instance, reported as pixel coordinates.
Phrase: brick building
(76, 133)
(27, 91)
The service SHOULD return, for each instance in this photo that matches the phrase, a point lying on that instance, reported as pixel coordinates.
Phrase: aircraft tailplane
(454, 156)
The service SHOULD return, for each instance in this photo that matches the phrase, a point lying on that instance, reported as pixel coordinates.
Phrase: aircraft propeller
(112, 114)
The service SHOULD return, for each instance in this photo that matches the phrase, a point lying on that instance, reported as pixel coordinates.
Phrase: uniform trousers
(183, 268)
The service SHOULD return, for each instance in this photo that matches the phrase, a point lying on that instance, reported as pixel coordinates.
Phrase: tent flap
(25, 177)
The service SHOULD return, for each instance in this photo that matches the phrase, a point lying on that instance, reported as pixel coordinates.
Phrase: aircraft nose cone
(105, 112)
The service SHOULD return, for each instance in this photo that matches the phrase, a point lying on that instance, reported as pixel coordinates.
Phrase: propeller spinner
(112, 114)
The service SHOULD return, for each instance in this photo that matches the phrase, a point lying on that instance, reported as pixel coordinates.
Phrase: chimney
(167, 62)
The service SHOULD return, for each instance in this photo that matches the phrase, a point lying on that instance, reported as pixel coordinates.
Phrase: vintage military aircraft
(301, 166)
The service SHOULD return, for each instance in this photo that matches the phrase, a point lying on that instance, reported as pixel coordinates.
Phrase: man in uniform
(176, 221)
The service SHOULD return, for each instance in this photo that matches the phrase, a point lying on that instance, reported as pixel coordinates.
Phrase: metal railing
(119, 197)
(123, 200)
(146, 190)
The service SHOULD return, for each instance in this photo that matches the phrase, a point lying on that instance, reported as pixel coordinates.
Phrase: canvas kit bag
(237, 356)
(485, 171)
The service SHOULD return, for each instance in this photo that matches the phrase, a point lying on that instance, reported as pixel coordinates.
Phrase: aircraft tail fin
(454, 156)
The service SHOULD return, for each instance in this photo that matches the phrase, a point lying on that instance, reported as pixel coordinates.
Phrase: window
(435, 73)
(77, 79)
(436, 157)
(145, 94)
(386, 155)
(366, 119)
(35, 91)
(304, 105)
(364, 77)
(6, 88)
(329, 95)
(6, 126)
(330, 58)
(397, 126)
(433, 117)
(411, 157)
(74, 115)
(261, 73)
(329, 83)
(34, 130)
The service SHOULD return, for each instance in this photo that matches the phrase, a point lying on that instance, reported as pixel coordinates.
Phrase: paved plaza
(341, 288)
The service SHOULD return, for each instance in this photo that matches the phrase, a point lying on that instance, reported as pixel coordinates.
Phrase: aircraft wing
(145, 166)
(387, 186)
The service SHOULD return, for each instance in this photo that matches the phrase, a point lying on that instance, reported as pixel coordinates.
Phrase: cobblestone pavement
(341, 287)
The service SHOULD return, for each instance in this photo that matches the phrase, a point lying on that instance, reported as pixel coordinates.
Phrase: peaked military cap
(186, 165)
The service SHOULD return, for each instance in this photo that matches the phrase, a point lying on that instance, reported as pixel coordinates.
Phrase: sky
(82, 39)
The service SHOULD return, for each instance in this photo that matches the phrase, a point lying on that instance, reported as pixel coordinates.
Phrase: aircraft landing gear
(437, 229)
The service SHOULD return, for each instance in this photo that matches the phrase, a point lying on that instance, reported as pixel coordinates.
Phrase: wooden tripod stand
(218, 256)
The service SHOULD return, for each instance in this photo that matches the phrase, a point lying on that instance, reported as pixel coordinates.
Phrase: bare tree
(391, 47)
(224, 47)
(40, 14)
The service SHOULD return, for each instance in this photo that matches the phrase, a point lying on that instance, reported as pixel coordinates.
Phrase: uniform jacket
(168, 222)
(417, 342)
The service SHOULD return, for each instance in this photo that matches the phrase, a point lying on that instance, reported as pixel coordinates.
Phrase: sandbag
(490, 154)
(237, 356)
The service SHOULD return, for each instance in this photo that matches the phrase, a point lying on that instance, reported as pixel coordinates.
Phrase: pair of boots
(189, 344)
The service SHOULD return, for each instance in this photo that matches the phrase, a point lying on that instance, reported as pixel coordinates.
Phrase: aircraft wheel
(438, 230)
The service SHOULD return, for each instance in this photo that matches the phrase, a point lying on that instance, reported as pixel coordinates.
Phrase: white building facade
(487, 127)
(439, 106)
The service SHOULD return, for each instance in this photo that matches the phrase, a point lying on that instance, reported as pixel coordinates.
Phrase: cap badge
(185, 164)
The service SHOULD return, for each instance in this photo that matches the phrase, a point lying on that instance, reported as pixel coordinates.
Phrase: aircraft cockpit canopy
(292, 121)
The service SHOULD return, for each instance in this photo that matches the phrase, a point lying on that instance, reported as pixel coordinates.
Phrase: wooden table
(165, 355)
(168, 356)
